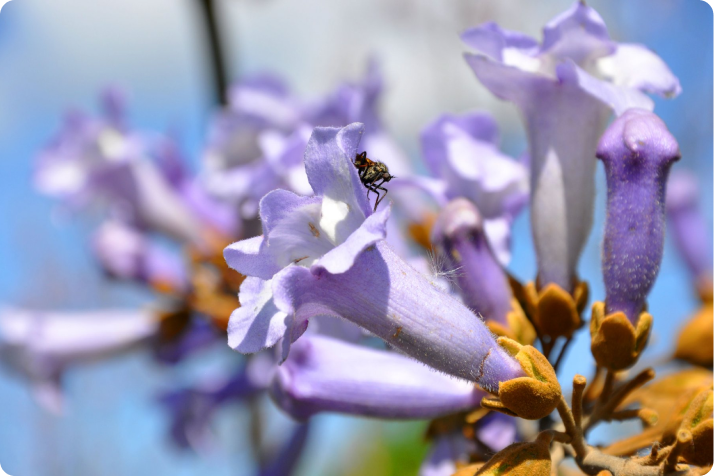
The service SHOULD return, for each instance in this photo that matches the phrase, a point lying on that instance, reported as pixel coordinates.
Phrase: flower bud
(531, 397)
(459, 237)
(698, 421)
(637, 151)
(615, 343)
(521, 459)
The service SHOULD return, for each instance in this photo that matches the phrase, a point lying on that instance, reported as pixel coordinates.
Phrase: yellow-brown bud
(554, 311)
(696, 341)
(521, 459)
(698, 421)
(519, 328)
(532, 397)
(615, 343)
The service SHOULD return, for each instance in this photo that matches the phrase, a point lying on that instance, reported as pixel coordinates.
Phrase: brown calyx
(615, 343)
(521, 459)
(519, 328)
(696, 340)
(532, 397)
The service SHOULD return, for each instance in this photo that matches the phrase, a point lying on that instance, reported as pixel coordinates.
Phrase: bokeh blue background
(58, 55)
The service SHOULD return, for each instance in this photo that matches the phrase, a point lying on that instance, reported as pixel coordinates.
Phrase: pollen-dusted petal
(258, 323)
(328, 375)
(340, 259)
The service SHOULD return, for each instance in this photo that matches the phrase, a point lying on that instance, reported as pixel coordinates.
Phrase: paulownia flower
(40, 345)
(566, 87)
(637, 151)
(325, 255)
(688, 226)
(464, 160)
(328, 375)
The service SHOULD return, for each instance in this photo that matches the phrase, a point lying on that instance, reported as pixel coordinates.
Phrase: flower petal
(637, 67)
(324, 374)
(258, 323)
(250, 258)
(341, 258)
(330, 168)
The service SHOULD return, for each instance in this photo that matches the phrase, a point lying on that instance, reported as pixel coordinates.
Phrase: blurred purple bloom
(39, 344)
(127, 253)
(463, 157)
(324, 255)
(688, 226)
(198, 335)
(566, 88)
(637, 151)
(95, 159)
(445, 451)
(327, 375)
(459, 237)
(284, 461)
(192, 408)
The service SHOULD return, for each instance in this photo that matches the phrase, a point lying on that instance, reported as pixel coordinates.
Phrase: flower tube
(328, 375)
(566, 88)
(460, 238)
(637, 151)
(325, 255)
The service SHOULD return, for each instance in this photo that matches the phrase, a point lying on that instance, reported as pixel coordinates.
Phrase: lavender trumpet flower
(327, 375)
(463, 157)
(40, 345)
(637, 151)
(325, 255)
(688, 226)
(565, 87)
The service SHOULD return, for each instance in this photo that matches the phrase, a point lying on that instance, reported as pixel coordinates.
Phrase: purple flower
(127, 253)
(566, 87)
(97, 160)
(689, 229)
(328, 375)
(459, 237)
(192, 408)
(40, 345)
(445, 452)
(324, 255)
(462, 154)
(283, 462)
(637, 151)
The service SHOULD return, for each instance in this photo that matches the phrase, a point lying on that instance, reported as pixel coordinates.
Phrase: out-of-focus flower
(446, 451)
(566, 87)
(40, 345)
(324, 255)
(95, 158)
(459, 237)
(463, 157)
(284, 461)
(637, 151)
(127, 253)
(191, 409)
(327, 375)
(688, 226)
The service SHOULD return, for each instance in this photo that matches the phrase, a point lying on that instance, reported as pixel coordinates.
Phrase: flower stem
(220, 80)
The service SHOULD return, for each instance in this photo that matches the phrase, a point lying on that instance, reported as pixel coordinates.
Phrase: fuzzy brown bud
(615, 343)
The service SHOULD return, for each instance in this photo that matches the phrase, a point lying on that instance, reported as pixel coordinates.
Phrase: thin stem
(579, 383)
(576, 434)
(220, 80)
(606, 407)
(563, 351)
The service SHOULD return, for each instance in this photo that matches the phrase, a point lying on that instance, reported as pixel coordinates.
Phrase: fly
(373, 175)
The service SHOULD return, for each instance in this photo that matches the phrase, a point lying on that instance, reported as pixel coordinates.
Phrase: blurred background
(59, 55)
